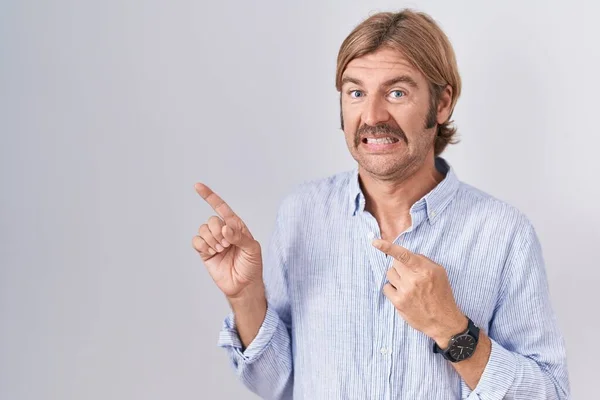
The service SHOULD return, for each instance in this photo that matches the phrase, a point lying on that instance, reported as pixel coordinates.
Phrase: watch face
(462, 348)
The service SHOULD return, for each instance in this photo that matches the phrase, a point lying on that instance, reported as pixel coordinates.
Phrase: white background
(110, 111)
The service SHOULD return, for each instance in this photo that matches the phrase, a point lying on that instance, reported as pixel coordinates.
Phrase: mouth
(383, 140)
(380, 144)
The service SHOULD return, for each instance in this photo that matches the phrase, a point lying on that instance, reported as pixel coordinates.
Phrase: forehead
(381, 65)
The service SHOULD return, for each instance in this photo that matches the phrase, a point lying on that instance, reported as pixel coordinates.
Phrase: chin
(396, 167)
(381, 168)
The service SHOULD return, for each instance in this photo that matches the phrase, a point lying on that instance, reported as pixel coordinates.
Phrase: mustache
(381, 129)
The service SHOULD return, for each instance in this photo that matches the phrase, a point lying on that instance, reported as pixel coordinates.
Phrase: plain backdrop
(110, 111)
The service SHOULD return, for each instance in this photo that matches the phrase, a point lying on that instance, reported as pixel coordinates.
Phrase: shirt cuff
(229, 337)
(498, 375)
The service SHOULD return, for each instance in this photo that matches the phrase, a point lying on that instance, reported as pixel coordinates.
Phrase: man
(394, 280)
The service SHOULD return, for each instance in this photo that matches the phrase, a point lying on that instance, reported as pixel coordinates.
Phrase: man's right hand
(232, 256)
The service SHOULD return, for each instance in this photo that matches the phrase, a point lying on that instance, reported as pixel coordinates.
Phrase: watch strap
(472, 330)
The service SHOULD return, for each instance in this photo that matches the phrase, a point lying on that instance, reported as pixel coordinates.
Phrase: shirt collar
(433, 202)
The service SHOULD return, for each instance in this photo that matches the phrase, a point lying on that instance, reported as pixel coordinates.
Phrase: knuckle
(389, 273)
(428, 273)
(419, 281)
(255, 246)
(400, 300)
(412, 284)
(404, 256)
(216, 233)
(208, 237)
(198, 244)
(214, 220)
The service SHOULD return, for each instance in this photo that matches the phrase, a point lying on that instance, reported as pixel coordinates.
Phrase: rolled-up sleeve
(528, 357)
(265, 366)
(270, 327)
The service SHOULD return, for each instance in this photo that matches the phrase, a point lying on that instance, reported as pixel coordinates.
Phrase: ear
(444, 105)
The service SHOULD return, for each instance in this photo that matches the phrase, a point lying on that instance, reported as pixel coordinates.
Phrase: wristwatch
(461, 346)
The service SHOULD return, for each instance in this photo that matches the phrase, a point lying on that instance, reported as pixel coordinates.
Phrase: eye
(355, 94)
(396, 94)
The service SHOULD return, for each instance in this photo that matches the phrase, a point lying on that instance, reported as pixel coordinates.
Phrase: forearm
(493, 372)
(509, 374)
(470, 370)
(264, 365)
(257, 333)
(249, 310)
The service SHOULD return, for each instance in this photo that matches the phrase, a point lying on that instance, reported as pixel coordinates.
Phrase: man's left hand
(420, 291)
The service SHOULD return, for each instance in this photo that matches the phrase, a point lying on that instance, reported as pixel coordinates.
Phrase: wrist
(457, 326)
(249, 310)
(249, 294)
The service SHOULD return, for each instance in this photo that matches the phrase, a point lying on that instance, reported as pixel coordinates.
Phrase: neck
(389, 199)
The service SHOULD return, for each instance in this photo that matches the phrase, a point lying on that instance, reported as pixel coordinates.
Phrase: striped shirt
(330, 333)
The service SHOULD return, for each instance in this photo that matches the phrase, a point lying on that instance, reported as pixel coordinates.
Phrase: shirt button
(371, 235)
(383, 351)
(433, 214)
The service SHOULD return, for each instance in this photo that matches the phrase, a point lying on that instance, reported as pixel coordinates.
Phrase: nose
(375, 112)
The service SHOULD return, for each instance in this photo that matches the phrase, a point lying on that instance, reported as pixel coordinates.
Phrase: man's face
(385, 104)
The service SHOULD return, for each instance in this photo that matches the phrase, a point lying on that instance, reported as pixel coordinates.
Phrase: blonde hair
(426, 47)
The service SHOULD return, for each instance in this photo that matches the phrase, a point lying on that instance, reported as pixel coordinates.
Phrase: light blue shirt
(330, 333)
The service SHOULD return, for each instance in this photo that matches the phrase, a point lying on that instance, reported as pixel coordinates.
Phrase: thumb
(234, 235)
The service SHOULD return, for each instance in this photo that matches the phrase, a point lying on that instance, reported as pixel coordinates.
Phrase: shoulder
(313, 196)
(487, 211)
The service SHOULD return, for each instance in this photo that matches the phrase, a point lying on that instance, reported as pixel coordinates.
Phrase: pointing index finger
(400, 253)
(216, 202)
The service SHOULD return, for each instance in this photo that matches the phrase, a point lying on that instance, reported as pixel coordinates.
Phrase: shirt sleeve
(528, 357)
(265, 366)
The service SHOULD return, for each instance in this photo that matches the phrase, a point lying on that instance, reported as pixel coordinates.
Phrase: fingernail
(211, 251)
(225, 243)
(219, 247)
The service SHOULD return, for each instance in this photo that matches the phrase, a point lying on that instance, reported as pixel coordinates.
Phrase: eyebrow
(390, 82)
